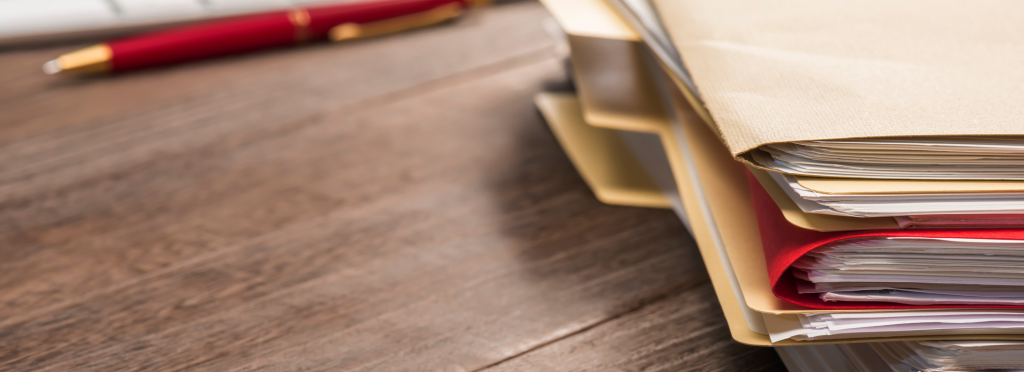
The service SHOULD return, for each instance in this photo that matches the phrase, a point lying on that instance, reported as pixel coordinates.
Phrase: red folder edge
(784, 243)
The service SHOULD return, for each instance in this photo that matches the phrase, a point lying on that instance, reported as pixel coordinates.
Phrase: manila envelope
(800, 70)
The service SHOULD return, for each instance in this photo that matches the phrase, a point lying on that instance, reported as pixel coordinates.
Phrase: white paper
(981, 158)
(835, 326)
(895, 205)
(915, 271)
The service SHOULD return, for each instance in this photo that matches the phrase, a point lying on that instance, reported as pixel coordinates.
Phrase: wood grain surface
(387, 204)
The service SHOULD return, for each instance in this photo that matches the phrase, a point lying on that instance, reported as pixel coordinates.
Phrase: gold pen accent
(300, 20)
(90, 60)
(349, 31)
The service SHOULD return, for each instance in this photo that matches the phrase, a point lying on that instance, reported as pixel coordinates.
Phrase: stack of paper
(984, 158)
(936, 355)
(905, 356)
(845, 326)
(850, 171)
(1005, 204)
(916, 271)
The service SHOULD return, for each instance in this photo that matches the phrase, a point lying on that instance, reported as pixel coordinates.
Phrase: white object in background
(32, 17)
(141, 10)
(29, 21)
(246, 6)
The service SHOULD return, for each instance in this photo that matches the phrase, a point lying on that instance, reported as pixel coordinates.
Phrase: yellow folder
(602, 159)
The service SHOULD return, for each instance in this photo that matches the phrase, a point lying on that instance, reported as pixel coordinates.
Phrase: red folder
(784, 243)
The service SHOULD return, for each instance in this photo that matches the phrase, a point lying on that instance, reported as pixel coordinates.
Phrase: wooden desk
(391, 204)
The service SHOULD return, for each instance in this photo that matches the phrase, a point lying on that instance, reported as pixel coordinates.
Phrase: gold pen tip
(52, 67)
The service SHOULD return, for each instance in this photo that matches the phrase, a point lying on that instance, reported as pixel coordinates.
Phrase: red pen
(258, 31)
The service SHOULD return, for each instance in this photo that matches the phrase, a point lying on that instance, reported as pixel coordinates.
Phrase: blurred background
(231, 185)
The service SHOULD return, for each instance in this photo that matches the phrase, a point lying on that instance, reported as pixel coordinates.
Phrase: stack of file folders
(852, 172)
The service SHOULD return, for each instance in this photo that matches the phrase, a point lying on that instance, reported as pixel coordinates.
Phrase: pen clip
(349, 31)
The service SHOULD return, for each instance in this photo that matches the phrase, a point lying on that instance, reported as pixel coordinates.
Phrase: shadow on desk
(394, 205)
